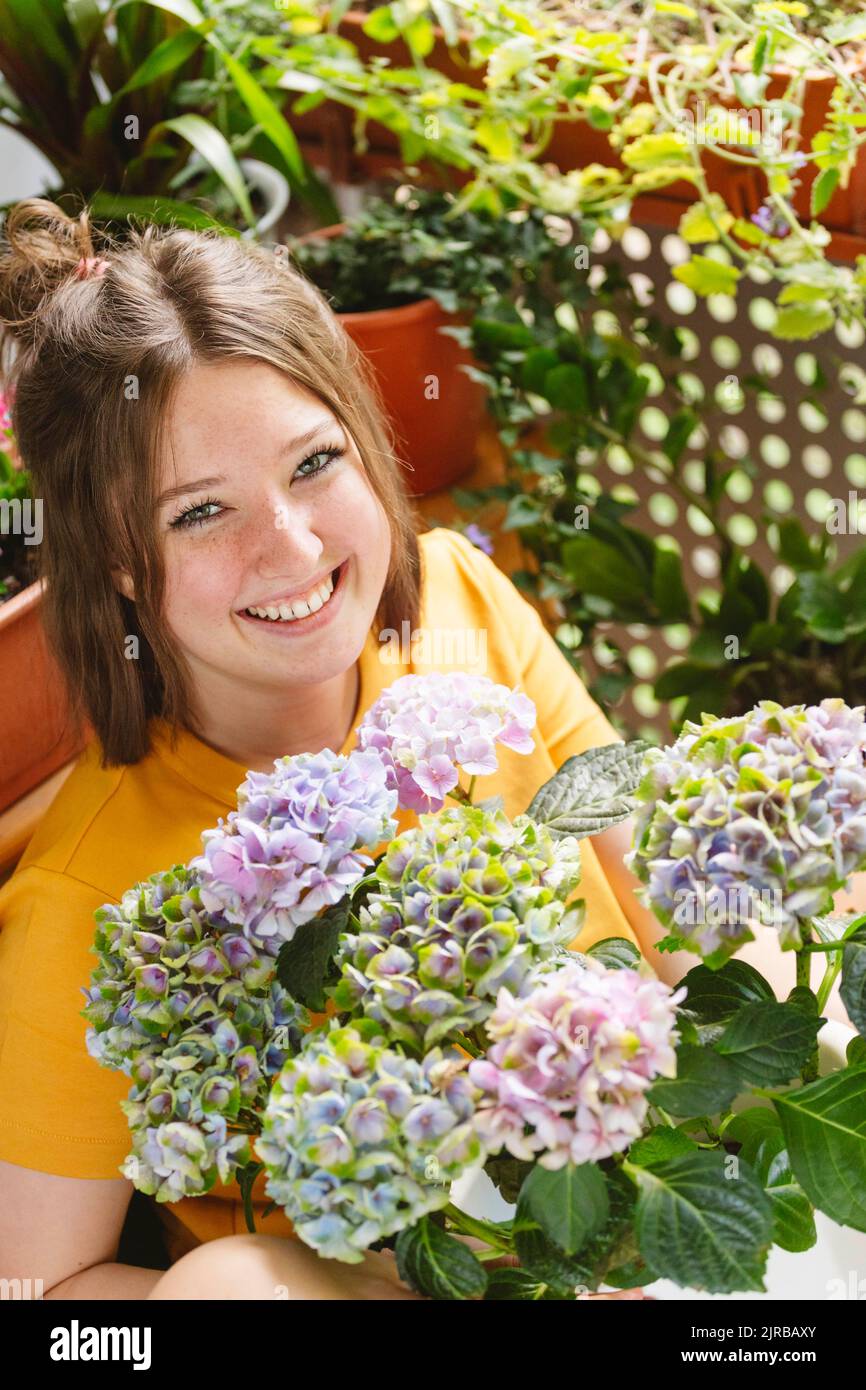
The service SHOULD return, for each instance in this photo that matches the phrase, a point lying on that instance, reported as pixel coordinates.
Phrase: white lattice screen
(807, 446)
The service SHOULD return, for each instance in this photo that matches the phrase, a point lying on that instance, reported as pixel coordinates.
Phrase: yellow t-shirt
(109, 828)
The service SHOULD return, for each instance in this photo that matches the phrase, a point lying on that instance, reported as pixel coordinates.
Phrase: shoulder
(455, 573)
(86, 801)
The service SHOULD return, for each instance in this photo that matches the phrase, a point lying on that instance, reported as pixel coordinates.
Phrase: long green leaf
(183, 9)
(213, 147)
(156, 208)
(263, 111)
(172, 53)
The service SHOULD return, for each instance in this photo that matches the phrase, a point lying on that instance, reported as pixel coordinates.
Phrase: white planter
(835, 1267)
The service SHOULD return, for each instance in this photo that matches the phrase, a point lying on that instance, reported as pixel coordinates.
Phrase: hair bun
(41, 247)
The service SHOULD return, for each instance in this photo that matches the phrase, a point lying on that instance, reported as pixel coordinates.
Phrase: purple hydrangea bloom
(425, 728)
(294, 845)
(756, 820)
(565, 1079)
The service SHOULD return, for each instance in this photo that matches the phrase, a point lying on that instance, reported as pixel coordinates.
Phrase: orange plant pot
(435, 408)
(38, 735)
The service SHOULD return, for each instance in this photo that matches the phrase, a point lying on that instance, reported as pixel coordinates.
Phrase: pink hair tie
(91, 266)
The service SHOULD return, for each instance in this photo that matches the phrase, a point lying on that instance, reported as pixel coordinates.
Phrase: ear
(123, 583)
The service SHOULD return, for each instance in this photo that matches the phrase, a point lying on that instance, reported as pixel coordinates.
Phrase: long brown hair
(93, 360)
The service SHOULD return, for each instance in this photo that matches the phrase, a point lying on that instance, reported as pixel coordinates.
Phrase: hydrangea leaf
(304, 962)
(437, 1265)
(853, 986)
(570, 1203)
(699, 1227)
(825, 1131)
(591, 790)
(768, 1043)
(705, 1083)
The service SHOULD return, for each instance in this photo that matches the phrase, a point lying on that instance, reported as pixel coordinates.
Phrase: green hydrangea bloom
(461, 905)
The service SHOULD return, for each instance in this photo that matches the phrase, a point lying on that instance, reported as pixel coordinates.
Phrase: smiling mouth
(296, 609)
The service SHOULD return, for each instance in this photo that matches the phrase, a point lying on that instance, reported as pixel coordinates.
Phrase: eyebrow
(198, 483)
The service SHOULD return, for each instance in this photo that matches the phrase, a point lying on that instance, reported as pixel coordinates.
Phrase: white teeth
(299, 607)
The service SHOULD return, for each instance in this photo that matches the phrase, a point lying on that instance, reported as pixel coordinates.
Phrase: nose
(283, 544)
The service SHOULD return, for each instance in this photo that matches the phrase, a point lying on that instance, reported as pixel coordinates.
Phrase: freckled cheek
(202, 584)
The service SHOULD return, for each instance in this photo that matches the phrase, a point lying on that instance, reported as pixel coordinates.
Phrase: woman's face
(276, 548)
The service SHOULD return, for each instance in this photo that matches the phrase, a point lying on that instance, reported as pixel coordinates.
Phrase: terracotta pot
(436, 409)
(37, 733)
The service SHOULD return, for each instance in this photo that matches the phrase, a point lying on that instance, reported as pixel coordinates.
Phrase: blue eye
(197, 515)
(327, 454)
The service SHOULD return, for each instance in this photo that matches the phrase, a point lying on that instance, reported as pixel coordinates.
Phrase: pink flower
(566, 1076)
(425, 728)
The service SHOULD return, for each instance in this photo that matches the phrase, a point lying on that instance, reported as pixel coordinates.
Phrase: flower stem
(804, 964)
(474, 1226)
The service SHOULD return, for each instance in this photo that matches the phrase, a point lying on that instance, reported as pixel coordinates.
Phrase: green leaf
(182, 9)
(566, 388)
(601, 569)
(846, 30)
(616, 953)
(759, 1133)
(116, 206)
(823, 189)
(707, 276)
(570, 1204)
(852, 990)
(715, 995)
(768, 1043)
(303, 963)
(544, 1261)
(662, 1143)
(705, 1083)
(437, 1265)
(591, 790)
(213, 147)
(172, 53)
(699, 1227)
(797, 321)
(669, 592)
(263, 111)
(825, 1131)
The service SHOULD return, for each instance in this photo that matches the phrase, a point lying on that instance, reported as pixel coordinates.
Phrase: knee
(231, 1267)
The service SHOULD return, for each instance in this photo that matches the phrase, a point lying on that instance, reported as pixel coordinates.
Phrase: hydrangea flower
(465, 902)
(425, 728)
(359, 1141)
(295, 844)
(184, 1005)
(572, 1057)
(752, 821)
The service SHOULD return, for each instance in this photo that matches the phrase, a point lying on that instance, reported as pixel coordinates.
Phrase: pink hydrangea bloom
(426, 728)
(571, 1060)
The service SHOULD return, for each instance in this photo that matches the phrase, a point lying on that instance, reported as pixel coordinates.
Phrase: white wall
(23, 171)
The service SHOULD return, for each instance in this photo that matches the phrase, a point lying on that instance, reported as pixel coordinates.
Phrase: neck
(255, 727)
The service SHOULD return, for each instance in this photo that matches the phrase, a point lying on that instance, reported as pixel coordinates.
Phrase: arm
(65, 1232)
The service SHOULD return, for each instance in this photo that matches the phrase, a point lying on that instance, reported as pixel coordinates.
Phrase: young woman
(226, 539)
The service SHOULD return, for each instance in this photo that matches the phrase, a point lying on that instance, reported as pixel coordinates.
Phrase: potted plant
(402, 277)
(753, 116)
(144, 109)
(37, 735)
